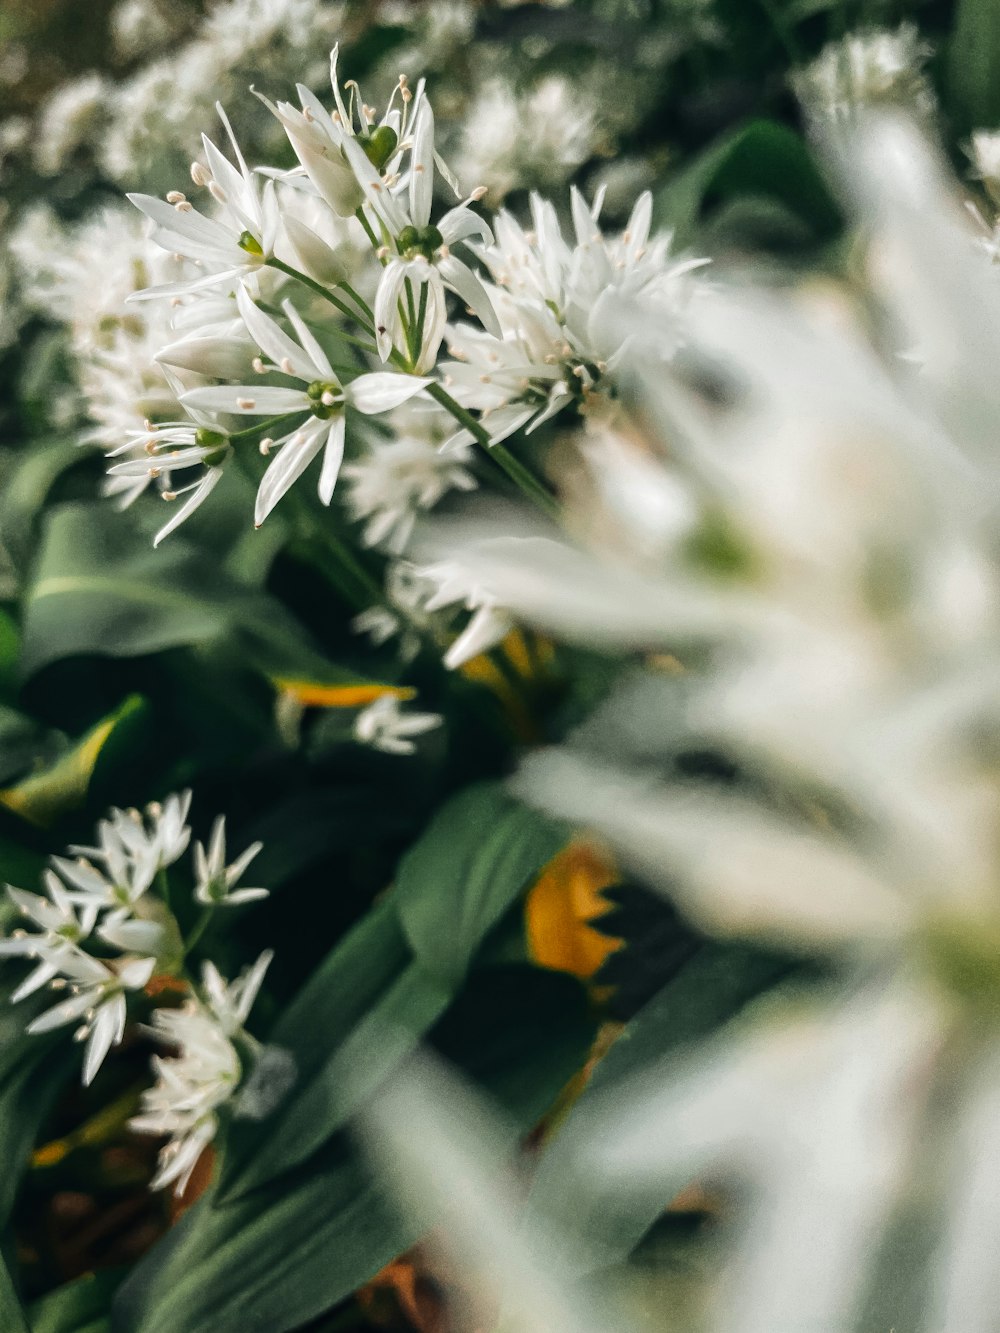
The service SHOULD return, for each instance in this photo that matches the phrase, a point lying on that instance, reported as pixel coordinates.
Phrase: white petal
(382, 390)
(387, 322)
(461, 279)
(308, 341)
(197, 497)
(422, 167)
(333, 456)
(290, 463)
(109, 1025)
(266, 400)
(273, 341)
(219, 358)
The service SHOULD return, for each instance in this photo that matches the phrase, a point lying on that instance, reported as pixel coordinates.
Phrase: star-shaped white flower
(323, 397)
(384, 726)
(98, 997)
(239, 243)
(215, 880)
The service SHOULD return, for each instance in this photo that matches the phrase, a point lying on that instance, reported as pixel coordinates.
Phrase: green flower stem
(359, 213)
(316, 287)
(263, 428)
(163, 884)
(359, 301)
(198, 929)
(516, 470)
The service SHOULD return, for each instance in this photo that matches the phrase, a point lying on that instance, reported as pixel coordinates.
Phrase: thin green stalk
(518, 473)
(198, 929)
(314, 286)
(359, 213)
(359, 301)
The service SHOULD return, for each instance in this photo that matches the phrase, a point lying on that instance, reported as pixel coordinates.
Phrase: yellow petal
(559, 909)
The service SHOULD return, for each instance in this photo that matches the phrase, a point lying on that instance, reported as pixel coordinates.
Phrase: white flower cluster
(104, 927)
(538, 344)
(869, 68)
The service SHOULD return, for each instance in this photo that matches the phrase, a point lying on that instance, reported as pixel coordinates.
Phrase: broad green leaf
(26, 484)
(101, 589)
(43, 797)
(276, 1258)
(974, 65)
(479, 853)
(82, 1306)
(12, 1316)
(763, 160)
(710, 989)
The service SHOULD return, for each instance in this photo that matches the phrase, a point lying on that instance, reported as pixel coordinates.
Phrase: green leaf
(710, 989)
(763, 160)
(12, 1316)
(82, 1306)
(101, 589)
(974, 65)
(43, 797)
(372, 1005)
(26, 484)
(282, 1255)
(480, 852)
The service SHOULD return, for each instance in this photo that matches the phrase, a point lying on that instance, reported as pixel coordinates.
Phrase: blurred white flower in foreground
(827, 608)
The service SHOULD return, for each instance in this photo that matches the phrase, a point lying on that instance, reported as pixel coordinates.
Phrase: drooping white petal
(291, 461)
(333, 456)
(387, 321)
(461, 279)
(107, 1031)
(206, 486)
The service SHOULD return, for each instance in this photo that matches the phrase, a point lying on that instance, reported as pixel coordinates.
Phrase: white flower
(489, 625)
(867, 68)
(192, 1086)
(383, 726)
(238, 245)
(511, 140)
(392, 482)
(98, 997)
(416, 275)
(320, 139)
(323, 397)
(554, 302)
(132, 847)
(64, 923)
(161, 450)
(214, 879)
(403, 614)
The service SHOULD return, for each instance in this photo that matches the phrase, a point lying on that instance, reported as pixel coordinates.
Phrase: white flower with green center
(323, 398)
(175, 446)
(410, 312)
(97, 996)
(236, 245)
(215, 881)
(319, 137)
(63, 923)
